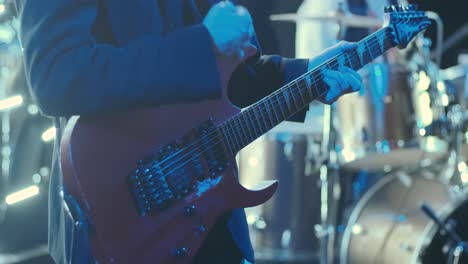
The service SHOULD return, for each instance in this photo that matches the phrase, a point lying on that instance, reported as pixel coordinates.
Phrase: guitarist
(84, 57)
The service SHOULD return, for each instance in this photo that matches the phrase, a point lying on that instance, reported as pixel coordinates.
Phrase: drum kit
(379, 177)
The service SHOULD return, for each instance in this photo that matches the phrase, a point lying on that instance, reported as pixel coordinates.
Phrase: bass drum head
(387, 224)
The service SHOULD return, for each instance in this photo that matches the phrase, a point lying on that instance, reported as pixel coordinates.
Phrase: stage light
(464, 177)
(22, 195)
(49, 134)
(11, 102)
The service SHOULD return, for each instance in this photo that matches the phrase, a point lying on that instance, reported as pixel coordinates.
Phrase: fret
(264, 115)
(300, 93)
(286, 99)
(370, 48)
(377, 45)
(387, 40)
(332, 64)
(258, 130)
(229, 138)
(242, 133)
(314, 84)
(321, 85)
(257, 117)
(251, 136)
(293, 99)
(249, 115)
(305, 91)
(273, 106)
(366, 56)
(253, 129)
(349, 62)
(234, 135)
(358, 60)
(308, 83)
(268, 108)
(280, 103)
(267, 115)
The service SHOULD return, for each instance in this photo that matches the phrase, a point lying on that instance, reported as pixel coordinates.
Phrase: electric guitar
(152, 182)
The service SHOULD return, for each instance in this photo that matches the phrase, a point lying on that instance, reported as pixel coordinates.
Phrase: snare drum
(381, 126)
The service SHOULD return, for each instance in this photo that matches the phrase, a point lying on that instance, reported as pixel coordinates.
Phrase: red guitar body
(97, 155)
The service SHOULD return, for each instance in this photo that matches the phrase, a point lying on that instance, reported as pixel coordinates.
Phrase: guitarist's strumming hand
(341, 82)
(230, 27)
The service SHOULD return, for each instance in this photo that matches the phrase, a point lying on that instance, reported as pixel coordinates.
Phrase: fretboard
(259, 118)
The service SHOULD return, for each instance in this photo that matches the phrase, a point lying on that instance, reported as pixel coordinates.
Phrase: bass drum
(388, 226)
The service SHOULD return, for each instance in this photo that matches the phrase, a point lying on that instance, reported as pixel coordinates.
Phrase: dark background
(24, 232)
(279, 37)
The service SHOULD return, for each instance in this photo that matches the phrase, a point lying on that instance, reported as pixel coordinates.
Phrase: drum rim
(357, 210)
(392, 145)
(431, 228)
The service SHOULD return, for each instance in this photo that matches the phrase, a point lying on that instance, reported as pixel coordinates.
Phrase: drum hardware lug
(288, 150)
(388, 99)
(406, 247)
(260, 223)
(322, 232)
(404, 178)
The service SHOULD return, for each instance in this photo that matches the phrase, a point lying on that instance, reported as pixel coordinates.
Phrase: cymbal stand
(329, 183)
(456, 173)
(329, 189)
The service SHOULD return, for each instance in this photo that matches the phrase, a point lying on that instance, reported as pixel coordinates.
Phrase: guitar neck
(259, 118)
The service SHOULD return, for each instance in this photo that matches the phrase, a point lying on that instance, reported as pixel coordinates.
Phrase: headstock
(406, 22)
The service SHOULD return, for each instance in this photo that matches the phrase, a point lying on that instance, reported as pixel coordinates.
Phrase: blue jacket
(84, 57)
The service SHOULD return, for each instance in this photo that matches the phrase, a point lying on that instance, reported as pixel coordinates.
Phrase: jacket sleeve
(253, 81)
(71, 73)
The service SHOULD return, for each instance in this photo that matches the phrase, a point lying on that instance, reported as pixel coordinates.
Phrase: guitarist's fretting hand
(231, 28)
(341, 82)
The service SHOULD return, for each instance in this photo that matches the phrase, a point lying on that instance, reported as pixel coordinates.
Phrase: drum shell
(387, 225)
(283, 227)
(379, 126)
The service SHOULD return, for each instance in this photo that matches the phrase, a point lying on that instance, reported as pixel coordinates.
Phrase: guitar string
(293, 90)
(296, 81)
(371, 44)
(314, 82)
(297, 88)
(177, 182)
(264, 111)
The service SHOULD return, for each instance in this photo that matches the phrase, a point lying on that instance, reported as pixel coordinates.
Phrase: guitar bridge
(172, 172)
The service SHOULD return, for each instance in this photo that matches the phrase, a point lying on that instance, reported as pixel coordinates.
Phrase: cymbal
(349, 20)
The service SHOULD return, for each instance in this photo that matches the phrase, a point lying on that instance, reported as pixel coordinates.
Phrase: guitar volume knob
(190, 211)
(180, 252)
